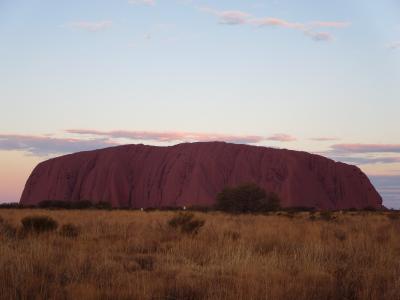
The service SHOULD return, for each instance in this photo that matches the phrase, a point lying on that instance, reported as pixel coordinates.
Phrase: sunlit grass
(137, 255)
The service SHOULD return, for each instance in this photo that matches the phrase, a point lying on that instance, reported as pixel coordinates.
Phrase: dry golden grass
(136, 255)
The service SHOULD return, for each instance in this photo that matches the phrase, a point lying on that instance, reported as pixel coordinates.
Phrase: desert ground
(121, 254)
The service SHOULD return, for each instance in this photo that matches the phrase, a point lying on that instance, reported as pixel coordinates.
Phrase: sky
(318, 76)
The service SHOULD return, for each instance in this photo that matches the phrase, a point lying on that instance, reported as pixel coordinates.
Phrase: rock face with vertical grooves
(193, 173)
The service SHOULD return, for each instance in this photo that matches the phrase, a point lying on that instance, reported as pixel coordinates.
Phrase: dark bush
(312, 217)
(200, 208)
(351, 209)
(69, 230)
(393, 216)
(103, 205)
(10, 205)
(186, 223)
(340, 235)
(370, 209)
(83, 204)
(38, 224)
(150, 209)
(145, 262)
(295, 209)
(54, 204)
(8, 230)
(247, 198)
(170, 208)
(326, 215)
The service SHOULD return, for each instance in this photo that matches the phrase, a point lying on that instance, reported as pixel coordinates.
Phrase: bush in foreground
(186, 223)
(39, 224)
(247, 198)
(6, 229)
(69, 230)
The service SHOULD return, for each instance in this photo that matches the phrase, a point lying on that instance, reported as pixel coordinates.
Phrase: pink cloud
(330, 24)
(278, 23)
(171, 136)
(309, 29)
(281, 137)
(233, 17)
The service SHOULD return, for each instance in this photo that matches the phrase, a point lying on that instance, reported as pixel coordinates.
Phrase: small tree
(247, 198)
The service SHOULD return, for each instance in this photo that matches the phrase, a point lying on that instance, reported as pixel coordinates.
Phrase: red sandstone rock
(192, 174)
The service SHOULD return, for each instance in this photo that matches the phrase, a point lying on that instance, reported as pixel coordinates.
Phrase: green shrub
(186, 223)
(247, 198)
(69, 230)
(38, 224)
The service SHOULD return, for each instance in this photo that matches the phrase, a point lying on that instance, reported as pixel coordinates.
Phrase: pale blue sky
(303, 69)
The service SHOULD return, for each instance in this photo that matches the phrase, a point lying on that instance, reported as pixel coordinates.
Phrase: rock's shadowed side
(193, 173)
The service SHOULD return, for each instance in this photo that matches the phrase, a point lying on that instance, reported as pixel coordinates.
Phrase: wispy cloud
(145, 2)
(281, 137)
(171, 136)
(233, 17)
(86, 139)
(44, 145)
(324, 139)
(366, 148)
(364, 154)
(330, 24)
(310, 29)
(177, 136)
(319, 36)
(394, 46)
(278, 23)
(366, 160)
(90, 26)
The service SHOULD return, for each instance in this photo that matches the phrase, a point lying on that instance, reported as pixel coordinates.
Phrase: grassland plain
(137, 255)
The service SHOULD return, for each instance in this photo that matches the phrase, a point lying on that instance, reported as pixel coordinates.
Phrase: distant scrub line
(107, 206)
(244, 198)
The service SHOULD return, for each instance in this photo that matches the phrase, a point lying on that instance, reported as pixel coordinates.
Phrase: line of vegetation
(245, 198)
